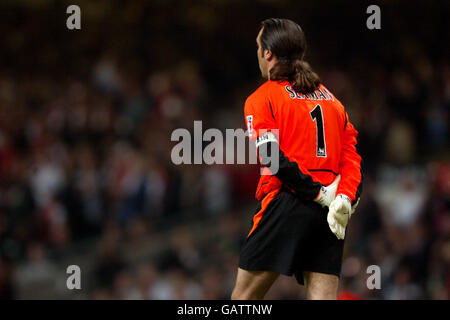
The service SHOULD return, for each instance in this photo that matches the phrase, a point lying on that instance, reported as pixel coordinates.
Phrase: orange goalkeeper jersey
(313, 131)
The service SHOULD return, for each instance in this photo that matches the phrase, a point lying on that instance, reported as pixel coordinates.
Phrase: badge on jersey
(250, 125)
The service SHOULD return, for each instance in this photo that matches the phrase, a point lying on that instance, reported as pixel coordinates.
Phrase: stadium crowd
(85, 167)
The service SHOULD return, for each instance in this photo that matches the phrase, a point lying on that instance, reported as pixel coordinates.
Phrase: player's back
(310, 127)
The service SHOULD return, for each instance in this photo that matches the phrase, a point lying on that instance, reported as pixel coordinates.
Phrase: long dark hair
(286, 40)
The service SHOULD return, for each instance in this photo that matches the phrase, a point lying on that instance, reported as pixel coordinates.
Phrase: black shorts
(292, 236)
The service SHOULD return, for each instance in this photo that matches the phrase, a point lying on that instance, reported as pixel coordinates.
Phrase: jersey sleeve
(259, 118)
(350, 164)
(261, 121)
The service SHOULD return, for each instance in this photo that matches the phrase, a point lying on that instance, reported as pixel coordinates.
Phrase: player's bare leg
(253, 285)
(321, 286)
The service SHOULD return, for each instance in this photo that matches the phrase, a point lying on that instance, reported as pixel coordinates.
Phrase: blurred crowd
(86, 175)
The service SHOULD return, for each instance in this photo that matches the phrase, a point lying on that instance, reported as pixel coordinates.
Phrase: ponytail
(305, 80)
(298, 73)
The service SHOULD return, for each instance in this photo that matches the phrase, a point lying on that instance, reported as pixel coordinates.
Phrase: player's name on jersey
(319, 94)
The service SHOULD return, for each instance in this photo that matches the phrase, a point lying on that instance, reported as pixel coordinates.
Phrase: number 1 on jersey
(317, 116)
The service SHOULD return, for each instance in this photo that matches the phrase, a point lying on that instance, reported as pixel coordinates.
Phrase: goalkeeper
(304, 206)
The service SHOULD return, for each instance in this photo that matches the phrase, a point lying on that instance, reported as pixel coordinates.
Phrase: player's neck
(270, 65)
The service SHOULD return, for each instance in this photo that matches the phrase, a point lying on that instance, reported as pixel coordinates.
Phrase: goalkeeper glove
(327, 194)
(339, 214)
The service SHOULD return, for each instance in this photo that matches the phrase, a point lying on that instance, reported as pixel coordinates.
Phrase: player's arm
(294, 176)
(350, 165)
(350, 187)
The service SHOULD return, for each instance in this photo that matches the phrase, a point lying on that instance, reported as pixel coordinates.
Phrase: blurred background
(85, 124)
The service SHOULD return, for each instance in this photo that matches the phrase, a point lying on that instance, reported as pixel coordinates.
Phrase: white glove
(327, 194)
(339, 214)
